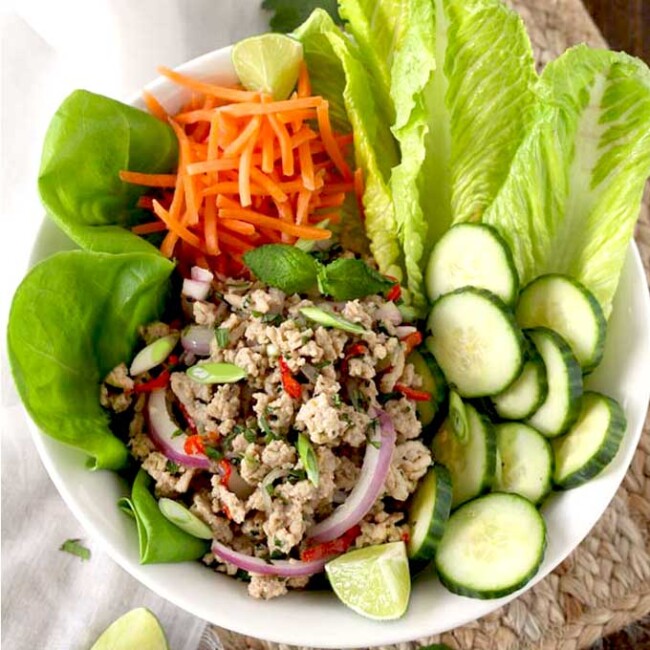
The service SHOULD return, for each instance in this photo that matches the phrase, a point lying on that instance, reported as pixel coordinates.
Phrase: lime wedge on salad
(373, 581)
(269, 63)
(138, 628)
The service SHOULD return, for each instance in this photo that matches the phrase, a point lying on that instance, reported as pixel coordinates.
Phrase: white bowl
(317, 618)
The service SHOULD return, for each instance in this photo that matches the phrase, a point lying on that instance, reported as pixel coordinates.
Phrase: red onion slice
(197, 339)
(163, 431)
(389, 312)
(201, 274)
(196, 289)
(283, 568)
(374, 471)
(405, 330)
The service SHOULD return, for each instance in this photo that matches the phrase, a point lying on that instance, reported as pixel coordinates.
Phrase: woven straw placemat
(604, 585)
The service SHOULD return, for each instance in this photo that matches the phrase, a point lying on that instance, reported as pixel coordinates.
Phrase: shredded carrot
(154, 106)
(251, 171)
(150, 180)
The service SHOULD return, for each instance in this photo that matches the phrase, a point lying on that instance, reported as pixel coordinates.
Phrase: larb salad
(335, 324)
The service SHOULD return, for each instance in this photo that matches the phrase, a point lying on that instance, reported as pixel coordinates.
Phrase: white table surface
(52, 599)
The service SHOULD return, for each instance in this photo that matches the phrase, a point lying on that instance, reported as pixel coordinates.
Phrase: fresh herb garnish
(322, 364)
(213, 453)
(330, 319)
(73, 547)
(171, 467)
(375, 443)
(349, 279)
(177, 433)
(288, 14)
(336, 400)
(308, 459)
(266, 428)
(296, 475)
(222, 335)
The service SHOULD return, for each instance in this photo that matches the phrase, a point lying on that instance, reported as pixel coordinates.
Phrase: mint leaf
(288, 14)
(283, 266)
(73, 547)
(349, 279)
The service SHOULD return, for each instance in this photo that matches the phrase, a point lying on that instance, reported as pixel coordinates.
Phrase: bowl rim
(381, 633)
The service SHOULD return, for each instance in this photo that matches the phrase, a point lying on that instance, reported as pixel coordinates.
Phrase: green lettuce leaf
(378, 27)
(73, 318)
(463, 89)
(573, 195)
(90, 139)
(344, 79)
(159, 539)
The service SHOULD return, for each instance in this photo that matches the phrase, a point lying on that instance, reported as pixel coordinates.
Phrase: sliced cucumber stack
(472, 255)
(524, 462)
(471, 463)
(492, 546)
(433, 382)
(562, 404)
(428, 514)
(591, 443)
(527, 393)
(568, 308)
(476, 342)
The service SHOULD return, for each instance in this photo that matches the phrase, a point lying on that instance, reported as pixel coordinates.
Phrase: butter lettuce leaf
(90, 139)
(159, 540)
(572, 197)
(463, 89)
(343, 81)
(73, 318)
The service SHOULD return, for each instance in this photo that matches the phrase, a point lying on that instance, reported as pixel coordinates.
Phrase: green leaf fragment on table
(74, 547)
(283, 266)
(572, 197)
(74, 317)
(160, 541)
(349, 279)
(91, 139)
(288, 14)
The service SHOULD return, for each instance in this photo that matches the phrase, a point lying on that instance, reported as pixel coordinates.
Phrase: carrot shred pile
(251, 171)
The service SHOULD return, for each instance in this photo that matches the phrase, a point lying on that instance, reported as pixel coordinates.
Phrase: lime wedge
(269, 63)
(373, 581)
(138, 628)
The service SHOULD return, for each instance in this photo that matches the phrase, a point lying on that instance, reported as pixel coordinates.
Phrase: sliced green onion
(222, 334)
(458, 417)
(307, 245)
(153, 355)
(308, 458)
(328, 319)
(215, 373)
(180, 516)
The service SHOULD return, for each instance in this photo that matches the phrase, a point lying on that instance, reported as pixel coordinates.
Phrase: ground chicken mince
(269, 504)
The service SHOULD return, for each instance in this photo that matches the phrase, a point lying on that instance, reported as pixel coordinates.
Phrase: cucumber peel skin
(595, 463)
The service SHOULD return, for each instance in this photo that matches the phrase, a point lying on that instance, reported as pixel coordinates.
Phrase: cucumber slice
(476, 342)
(524, 462)
(591, 443)
(472, 464)
(562, 404)
(492, 546)
(527, 393)
(568, 308)
(428, 514)
(458, 417)
(433, 382)
(472, 255)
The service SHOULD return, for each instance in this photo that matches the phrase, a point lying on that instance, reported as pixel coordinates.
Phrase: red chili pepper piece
(411, 341)
(226, 512)
(194, 445)
(160, 381)
(290, 384)
(172, 360)
(333, 547)
(355, 350)
(413, 393)
(405, 537)
(394, 293)
(225, 469)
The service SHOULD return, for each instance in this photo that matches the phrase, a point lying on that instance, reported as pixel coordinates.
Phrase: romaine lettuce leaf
(343, 81)
(572, 197)
(90, 139)
(73, 318)
(462, 85)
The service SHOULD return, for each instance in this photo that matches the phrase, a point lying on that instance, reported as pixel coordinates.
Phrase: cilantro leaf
(288, 14)
(73, 547)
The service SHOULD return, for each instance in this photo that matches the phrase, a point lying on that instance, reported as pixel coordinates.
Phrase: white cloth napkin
(51, 599)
